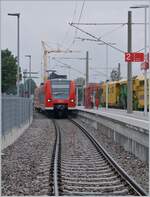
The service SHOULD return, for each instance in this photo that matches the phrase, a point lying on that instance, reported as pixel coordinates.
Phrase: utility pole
(29, 56)
(145, 51)
(119, 72)
(69, 72)
(87, 67)
(30, 76)
(129, 69)
(145, 70)
(107, 77)
(77, 95)
(24, 77)
(18, 48)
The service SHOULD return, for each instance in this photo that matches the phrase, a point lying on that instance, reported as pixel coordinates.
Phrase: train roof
(113, 82)
(140, 77)
(123, 81)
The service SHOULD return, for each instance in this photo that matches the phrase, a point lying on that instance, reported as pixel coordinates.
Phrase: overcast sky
(48, 21)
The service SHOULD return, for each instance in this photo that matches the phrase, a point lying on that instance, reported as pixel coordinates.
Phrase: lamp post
(18, 47)
(29, 56)
(24, 77)
(145, 51)
(107, 70)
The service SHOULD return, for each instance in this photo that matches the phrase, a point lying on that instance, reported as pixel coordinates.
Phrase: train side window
(141, 97)
(141, 83)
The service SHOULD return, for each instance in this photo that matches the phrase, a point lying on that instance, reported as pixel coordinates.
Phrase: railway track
(82, 167)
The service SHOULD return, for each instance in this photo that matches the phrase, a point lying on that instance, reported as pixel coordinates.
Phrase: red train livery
(91, 95)
(56, 94)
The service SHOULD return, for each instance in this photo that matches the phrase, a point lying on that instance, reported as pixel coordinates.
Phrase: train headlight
(49, 100)
(72, 100)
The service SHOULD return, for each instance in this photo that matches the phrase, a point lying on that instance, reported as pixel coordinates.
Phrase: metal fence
(16, 112)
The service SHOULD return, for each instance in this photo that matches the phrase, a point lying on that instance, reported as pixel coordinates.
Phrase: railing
(17, 114)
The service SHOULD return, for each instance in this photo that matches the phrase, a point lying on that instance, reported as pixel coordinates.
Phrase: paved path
(136, 118)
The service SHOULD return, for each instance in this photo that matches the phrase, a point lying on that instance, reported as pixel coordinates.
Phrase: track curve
(85, 168)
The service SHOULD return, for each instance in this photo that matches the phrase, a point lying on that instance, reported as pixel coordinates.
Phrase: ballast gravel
(26, 163)
(137, 169)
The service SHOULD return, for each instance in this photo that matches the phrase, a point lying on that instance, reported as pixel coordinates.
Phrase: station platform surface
(137, 118)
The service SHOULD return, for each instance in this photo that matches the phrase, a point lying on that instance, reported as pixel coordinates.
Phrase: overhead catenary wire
(68, 30)
(107, 24)
(81, 11)
(100, 68)
(75, 33)
(110, 24)
(79, 19)
(72, 58)
(99, 72)
(141, 49)
(69, 66)
(75, 10)
(111, 31)
(96, 38)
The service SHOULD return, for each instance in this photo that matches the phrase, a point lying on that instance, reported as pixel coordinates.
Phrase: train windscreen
(60, 89)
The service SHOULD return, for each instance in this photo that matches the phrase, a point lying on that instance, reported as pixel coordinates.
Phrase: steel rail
(56, 158)
(137, 188)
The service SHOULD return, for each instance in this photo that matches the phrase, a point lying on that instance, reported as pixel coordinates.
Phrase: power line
(81, 11)
(88, 39)
(68, 30)
(100, 68)
(75, 33)
(72, 58)
(69, 66)
(75, 10)
(141, 49)
(107, 33)
(100, 73)
(107, 24)
(113, 30)
(98, 39)
(79, 19)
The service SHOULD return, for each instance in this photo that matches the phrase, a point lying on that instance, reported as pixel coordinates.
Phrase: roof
(123, 81)
(140, 77)
(113, 82)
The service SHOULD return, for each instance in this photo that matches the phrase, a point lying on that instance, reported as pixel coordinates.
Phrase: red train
(58, 95)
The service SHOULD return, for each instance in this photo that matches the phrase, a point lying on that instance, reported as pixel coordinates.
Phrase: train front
(61, 96)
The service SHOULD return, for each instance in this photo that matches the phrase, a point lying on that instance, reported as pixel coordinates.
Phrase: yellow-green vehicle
(117, 93)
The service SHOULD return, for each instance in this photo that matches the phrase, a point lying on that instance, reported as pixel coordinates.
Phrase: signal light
(72, 100)
(49, 100)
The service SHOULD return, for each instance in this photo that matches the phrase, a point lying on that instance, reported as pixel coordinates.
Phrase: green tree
(9, 72)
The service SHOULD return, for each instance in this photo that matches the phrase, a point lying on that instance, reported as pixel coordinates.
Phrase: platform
(137, 118)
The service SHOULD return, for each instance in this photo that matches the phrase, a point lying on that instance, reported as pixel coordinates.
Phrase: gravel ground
(26, 163)
(136, 168)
